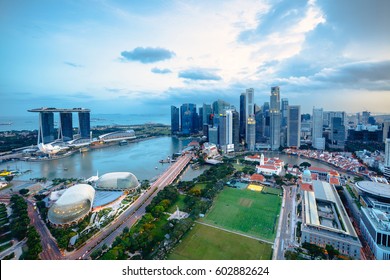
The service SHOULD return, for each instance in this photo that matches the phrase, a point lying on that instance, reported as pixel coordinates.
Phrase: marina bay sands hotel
(46, 133)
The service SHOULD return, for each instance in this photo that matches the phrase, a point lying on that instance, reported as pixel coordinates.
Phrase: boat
(84, 150)
(156, 167)
(123, 143)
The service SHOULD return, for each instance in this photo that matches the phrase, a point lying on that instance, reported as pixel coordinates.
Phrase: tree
(314, 250)
(332, 252)
(9, 178)
(305, 164)
(24, 191)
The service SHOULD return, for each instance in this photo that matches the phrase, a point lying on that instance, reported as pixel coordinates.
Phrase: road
(50, 250)
(130, 216)
(285, 236)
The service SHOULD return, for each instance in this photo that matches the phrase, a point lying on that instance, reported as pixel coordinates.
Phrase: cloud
(160, 70)
(75, 65)
(198, 74)
(115, 90)
(147, 55)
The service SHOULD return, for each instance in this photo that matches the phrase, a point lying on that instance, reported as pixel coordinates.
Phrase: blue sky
(142, 56)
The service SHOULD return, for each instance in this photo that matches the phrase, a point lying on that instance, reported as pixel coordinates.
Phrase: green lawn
(199, 186)
(179, 202)
(272, 190)
(207, 243)
(249, 212)
(238, 167)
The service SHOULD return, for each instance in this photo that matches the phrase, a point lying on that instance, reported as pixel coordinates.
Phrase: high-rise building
(84, 124)
(207, 112)
(328, 115)
(213, 135)
(251, 133)
(175, 125)
(242, 117)
(284, 111)
(365, 117)
(229, 127)
(294, 126)
(337, 132)
(259, 117)
(188, 118)
(387, 159)
(200, 119)
(267, 122)
(66, 126)
(220, 106)
(236, 129)
(249, 110)
(275, 118)
(46, 125)
(386, 130)
(222, 131)
(318, 141)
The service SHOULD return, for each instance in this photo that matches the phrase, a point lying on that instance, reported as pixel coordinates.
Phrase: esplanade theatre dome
(117, 181)
(73, 205)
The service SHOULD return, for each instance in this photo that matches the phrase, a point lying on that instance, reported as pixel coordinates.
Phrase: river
(140, 158)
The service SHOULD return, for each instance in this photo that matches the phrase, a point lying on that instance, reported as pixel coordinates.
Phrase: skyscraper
(46, 125)
(337, 132)
(387, 159)
(294, 126)
(236, 130)
(242, 117)
(318, 141)
(200, 119)
(386, 130)
(213, 135)
(84, 124)
(222, 131)
(66, 126)
(259, 117)
(249, 112)
(284, 111)
(188, 118)
(251, 133)
(220, 106)
(275, 118)
(175, 125)
(207, 111)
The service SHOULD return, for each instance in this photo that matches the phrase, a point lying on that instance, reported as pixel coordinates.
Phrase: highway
(130, 216)
(285, 236)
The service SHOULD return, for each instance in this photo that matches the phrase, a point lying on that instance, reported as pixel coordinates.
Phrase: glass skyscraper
(84, 124)
(175, 125)
(294, 126)
(66, 126)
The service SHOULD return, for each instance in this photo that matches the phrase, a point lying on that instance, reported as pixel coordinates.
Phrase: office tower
(337, 132)
(200, 119)
(249, 110)
(220, 106)
(207, 112)
(206, 131)
(229, 127)
(213, 135)
(259, 117)
(84, 124)
(242, 117)
(294, 126)
(365, 116)
(188, 118)
(266, 114)
(257, 108)
(387, 159)
(386, 130)
(251, 133)
(328, 115)
(175, 125)
(236, 130)
(284, 111)
(222, 131)
(66, 126)
(318, 141)
(46, 127)
(275, 118)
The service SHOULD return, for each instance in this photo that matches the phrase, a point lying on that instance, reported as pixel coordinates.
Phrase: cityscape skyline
(145, 56)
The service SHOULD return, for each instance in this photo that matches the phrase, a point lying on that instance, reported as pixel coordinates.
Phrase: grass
(245, 211)
(179, 202)
(238, 167)
(199, 186)
(272, 190)
(207, 243)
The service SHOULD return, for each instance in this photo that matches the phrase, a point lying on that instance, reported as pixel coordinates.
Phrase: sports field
(249, 212)
(272, 190)
(208, 243)
(256, 188)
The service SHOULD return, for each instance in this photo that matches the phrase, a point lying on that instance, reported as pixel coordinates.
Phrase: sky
(141, 57)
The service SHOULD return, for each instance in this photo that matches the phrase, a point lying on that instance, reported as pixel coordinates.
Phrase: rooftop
(374, 188)
(56, 110)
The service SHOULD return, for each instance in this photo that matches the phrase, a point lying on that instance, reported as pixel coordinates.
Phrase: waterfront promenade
(131, 215)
